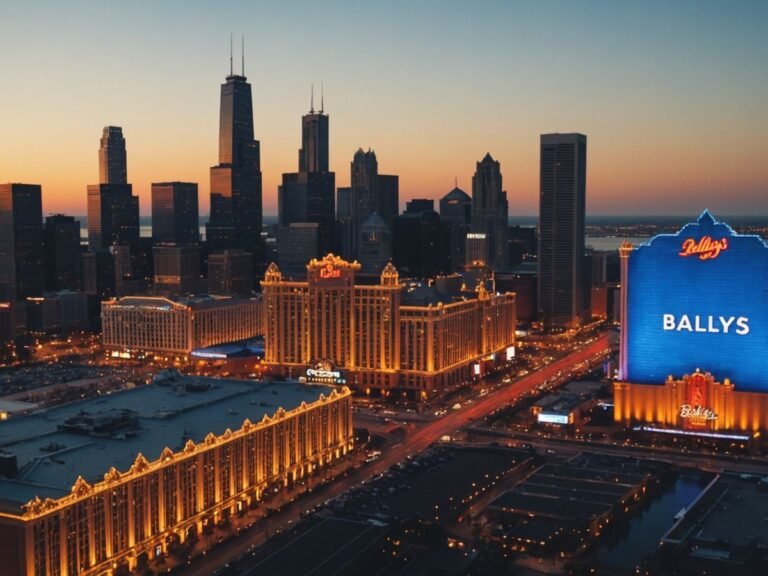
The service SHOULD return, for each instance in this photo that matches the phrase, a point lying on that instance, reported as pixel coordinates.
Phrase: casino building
(104, 486)
(137, 325)
(694, 332)
(377, 338)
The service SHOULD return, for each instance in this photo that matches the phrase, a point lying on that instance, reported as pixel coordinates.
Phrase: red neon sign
(330, 272)
(705, 248)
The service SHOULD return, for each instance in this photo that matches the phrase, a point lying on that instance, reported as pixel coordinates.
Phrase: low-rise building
(141, 324)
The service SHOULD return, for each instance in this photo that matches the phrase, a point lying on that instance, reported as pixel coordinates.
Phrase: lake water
(612, 242)
(645, 531)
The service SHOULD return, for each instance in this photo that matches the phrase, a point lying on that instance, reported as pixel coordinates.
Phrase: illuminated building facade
(694, 331)
(371, 333)
(139, 324)
(149, 469)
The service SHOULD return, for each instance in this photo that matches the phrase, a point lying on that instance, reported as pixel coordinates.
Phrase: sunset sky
(673, 96)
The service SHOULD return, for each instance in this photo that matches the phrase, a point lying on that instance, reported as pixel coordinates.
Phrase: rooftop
(55, 446)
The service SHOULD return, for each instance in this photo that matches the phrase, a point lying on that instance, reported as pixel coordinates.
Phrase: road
(416, 441)
(742, 464)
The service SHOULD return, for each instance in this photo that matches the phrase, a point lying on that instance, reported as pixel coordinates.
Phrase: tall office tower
(313, 155)
(113, 210)
(175, 216)
(419, 241)
(388, 197)
(563, 300)
(371, 192)
(113, 215)
(456, 213)
(307, 196)
(344, 228)
(62, 252)
(236, 216)
(113, 167)
(374, 244)
(490, 211)
(22, 272)
(230, 273)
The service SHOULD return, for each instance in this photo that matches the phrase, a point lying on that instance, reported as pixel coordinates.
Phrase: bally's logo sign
(705, 247)
(706, 324)
(697, 412)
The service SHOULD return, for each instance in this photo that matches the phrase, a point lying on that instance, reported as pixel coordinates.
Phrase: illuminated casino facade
(694, 331)
(374, 337)
(108, 485)
(137, 325)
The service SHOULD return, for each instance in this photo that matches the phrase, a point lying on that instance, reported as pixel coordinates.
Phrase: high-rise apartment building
(175, 216)
(62, 252)
(490, 211)
(236, 185)
(563, 297)
(113, 165)
(456, 213)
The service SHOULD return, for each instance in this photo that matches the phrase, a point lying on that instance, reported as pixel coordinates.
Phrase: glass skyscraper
(113, 165)
(563, 296)
(236, 210)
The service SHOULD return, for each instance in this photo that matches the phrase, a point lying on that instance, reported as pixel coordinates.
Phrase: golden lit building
(373, 334)
(106, 485)
(140, 324)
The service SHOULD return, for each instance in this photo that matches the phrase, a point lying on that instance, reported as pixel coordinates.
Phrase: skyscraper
(563, 300)
(113, 215)
(21, 242)
(113, 210)
(371, 192)
(113, 167)
(236, 216)
(307, 196)
(62, 252)
(490, 211)
(456, 212)
(175, 216)
(313, 155)
(419, 241)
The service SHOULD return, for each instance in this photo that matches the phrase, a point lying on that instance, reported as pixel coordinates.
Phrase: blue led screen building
(697, 299)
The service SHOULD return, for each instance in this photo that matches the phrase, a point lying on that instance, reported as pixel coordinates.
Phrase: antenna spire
(322, 97)
(455, 182)
(242, 52)
(312, 99)
(230, 53)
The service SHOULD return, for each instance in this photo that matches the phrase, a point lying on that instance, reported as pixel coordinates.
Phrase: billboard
(698, 299)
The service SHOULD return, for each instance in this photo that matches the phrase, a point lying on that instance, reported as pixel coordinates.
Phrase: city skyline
(671, 97)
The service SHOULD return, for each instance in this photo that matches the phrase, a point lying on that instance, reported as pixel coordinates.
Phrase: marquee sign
(323, 372)
(697, 298)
